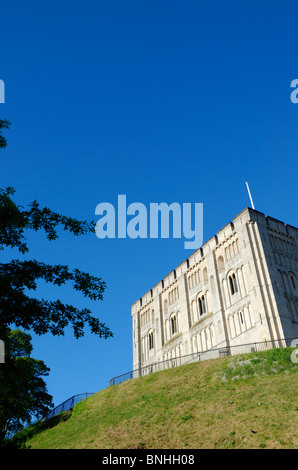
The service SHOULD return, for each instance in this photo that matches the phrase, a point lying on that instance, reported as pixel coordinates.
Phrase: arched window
(233, 283)
(205, 275)
(202, 305)
(151, 340)
(173, 324)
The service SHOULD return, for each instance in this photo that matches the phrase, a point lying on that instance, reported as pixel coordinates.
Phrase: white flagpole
(250, 196)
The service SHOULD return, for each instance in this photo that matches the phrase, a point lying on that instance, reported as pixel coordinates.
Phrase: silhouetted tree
(23, 392)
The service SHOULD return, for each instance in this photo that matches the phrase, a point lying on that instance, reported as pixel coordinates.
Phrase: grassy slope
(199, 405)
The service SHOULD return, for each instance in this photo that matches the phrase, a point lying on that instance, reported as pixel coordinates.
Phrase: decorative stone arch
(208, 337)
(240, 283)
(226, 294)
(231, 324)
(212, 284)
(167, 330)
(219, 327)
(221, 264)
(204, 340)
(243, 280)
(212, 335)
(194, 311)
(208, 301)
(249, 320)
(194, 344)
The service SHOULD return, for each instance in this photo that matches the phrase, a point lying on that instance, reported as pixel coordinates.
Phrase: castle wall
(240, 287)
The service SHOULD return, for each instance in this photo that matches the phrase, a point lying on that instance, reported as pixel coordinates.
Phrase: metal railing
(212, 353)
(67, 404)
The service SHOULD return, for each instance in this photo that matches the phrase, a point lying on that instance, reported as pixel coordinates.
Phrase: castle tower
(240, 287)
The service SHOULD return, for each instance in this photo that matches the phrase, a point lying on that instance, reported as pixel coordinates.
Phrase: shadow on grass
(19, 440)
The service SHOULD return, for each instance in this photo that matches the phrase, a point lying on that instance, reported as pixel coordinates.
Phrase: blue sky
(162, 101)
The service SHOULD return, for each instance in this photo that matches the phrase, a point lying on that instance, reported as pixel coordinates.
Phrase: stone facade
(240, 287)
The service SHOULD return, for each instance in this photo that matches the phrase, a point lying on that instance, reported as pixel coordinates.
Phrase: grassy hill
(212, 404)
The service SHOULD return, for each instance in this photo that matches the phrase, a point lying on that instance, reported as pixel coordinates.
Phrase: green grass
(212, 404)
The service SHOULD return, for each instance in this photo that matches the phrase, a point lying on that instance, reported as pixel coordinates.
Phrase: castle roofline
(217, 239)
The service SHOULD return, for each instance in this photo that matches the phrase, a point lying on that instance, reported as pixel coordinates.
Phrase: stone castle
(240, 287)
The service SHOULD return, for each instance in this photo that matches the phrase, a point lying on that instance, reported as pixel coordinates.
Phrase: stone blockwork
(240, 287)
